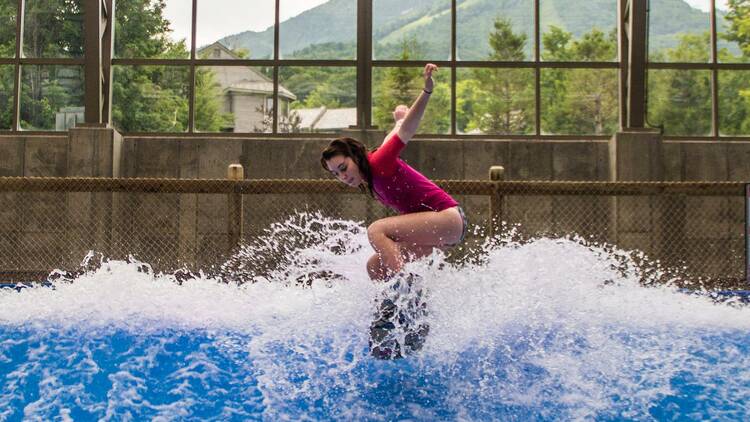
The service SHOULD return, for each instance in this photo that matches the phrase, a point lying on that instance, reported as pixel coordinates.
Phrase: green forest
(489, 101)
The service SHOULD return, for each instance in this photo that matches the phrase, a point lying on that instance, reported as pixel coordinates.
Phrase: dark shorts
(465, 228)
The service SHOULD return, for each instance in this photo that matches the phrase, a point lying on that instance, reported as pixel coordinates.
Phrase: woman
(429, 217)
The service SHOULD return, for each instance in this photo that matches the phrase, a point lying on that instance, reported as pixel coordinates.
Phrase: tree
(208, 114)
(7, 49)
(401, 85)
(579, 101)
(398, 85)
(287, 124)
(680, 100)
(734, 113)
(51, 30)
(155, 98)
(150, 99)
(503, 98)
(738, 17)
(7, 28)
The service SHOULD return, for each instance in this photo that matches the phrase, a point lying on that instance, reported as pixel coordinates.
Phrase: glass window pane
(149, 29)
(425, 25)
(6, 97)
(734, 102)
(394, 86)
(51, 97)
(310, 30)
(8, 11)
(680, 101)
(733, 35)
(584, 32)
(579, 101)
(233, 99)
(502, 30)
(150, 98)
(53, 28)
(679, 31)
(495, 101)
(317, 99)
(244, 32)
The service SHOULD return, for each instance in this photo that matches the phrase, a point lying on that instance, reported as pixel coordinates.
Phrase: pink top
(399, 186)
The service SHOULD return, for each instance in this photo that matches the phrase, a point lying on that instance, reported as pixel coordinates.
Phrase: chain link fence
(695, 228)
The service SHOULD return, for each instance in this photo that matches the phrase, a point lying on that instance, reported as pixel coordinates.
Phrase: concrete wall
(725, 160)
(61, 155)
(31, 223)
(194, 227)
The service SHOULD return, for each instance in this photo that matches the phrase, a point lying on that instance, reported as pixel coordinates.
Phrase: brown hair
(349, 147)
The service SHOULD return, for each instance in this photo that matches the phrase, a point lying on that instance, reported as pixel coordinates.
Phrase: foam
(545, 329)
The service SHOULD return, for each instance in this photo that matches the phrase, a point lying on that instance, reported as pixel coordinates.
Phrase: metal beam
(622, 57)
(17, 68)
(93, 61)
(636, 102)
(537, 70)
(364, 64)
(108, 43)
(714, 75)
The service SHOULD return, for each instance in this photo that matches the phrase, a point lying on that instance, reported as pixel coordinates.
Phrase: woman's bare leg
(394, 238)
(409, 253)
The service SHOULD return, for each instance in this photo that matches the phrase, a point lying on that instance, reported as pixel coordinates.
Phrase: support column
(92, 152)
(636, 221)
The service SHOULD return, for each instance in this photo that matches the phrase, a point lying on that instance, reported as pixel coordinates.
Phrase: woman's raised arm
(411, 122)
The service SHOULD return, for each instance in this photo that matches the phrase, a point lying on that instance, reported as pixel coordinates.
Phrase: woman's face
(345, 169)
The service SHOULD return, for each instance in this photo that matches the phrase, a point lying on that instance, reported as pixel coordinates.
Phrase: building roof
(322, 118)
(259, 87)
(240, 79)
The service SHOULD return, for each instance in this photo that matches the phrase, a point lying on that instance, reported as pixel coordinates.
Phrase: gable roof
(322, 118)
(241, 79)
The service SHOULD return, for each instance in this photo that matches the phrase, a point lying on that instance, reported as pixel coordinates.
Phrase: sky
(706, 4)
(214, 22)
(219, 18)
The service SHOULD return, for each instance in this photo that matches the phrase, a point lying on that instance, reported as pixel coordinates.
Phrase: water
(546, 330)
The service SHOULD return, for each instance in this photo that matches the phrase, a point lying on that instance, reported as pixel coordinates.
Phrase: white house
(247, 93)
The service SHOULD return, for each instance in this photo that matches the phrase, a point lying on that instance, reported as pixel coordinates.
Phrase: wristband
(426, 91)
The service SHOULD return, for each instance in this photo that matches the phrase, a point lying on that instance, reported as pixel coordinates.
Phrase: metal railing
(696, 228)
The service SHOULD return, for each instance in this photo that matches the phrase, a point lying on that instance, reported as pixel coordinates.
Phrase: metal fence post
(235, 172)
(497, 174)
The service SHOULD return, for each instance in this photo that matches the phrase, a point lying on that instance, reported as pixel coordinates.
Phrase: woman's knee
(375, 230)
(375, 267)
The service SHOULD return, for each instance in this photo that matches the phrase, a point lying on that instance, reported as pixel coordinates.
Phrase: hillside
(429, 22)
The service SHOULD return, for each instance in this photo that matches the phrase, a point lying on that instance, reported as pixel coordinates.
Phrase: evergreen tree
(503, 99)
(208, 114)
(397, 85)
(592, 95)
(579, 101)
(401, 85)
(680, 100)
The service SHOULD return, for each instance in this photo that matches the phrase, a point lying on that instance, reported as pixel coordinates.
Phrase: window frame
(364, 64)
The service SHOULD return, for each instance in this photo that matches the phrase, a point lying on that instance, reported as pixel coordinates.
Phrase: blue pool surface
(116, 374)
(553, 329)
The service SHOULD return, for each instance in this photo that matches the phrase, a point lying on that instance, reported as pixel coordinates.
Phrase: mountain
(429, 22)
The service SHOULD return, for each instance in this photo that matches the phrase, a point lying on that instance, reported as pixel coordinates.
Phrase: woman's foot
(400, 326)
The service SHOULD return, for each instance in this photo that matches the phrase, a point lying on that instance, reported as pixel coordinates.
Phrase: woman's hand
(429, 84)
(410, 124)
(400, 112)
